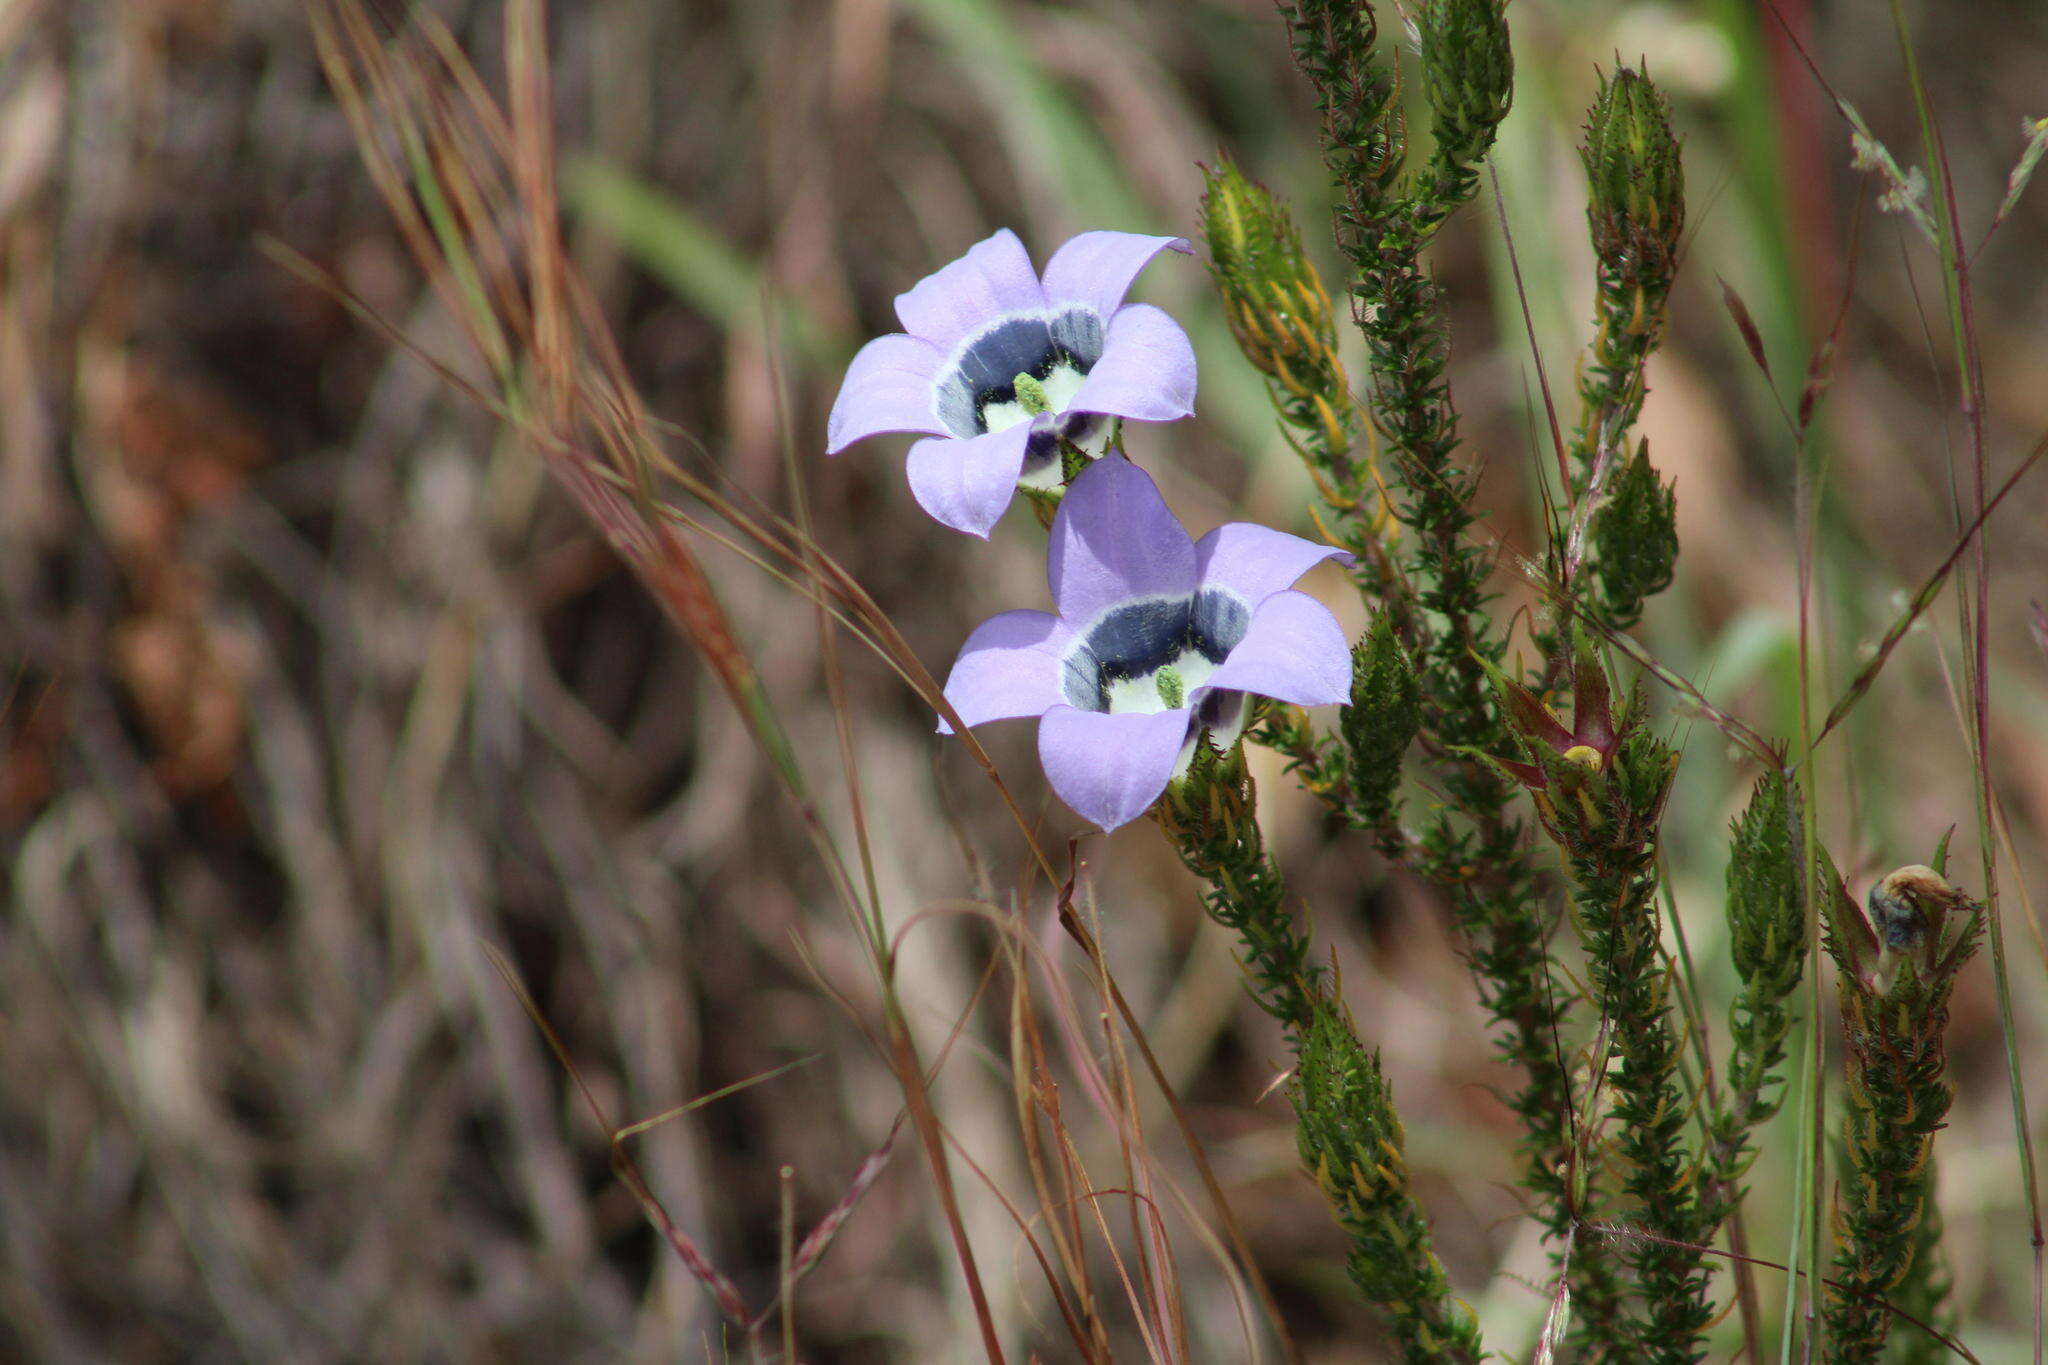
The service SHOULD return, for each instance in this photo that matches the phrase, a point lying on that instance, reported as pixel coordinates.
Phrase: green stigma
(1031, 395)
(1168, 682)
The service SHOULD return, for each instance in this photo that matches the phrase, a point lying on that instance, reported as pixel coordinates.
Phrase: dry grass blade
(723, 1291)
(819, 1239)
(579, 384)
(1821, 364)
(1745, 325)
(903, 1058)
(1035, 1095)
(1507, 236)
(803, 1257)
(1071, 922)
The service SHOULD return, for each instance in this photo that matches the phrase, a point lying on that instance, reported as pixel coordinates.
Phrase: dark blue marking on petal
(1221, 709)
(1130, 641)
(1138, 638)
(1081, 681)
(1044, 447)
(1078, 332)
(1220, 620)
(1026, 343)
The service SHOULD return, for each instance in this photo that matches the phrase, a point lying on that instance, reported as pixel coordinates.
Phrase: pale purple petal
(966, 484)
(1254, 562)
(1147, 370)
(1009, 667)
(1114, 539)
(1293, 651)
(888, 388)
(994, 278)
(1110, 768)
(1096, 268)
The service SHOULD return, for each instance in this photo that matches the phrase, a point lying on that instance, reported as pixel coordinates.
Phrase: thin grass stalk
(1813, 1167)
(1955, 262)
(902, 1056)
(1143, 1213)
(1033, 1097)
(653, 548)
(1230, 1247)
(1071, 924)
(1723, 1189)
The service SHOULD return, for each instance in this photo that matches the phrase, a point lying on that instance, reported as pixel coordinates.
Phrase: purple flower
(998, 364)
(1157, 638)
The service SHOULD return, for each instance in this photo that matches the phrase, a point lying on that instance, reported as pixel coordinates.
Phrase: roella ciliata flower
(1157, 638)
(995, 365)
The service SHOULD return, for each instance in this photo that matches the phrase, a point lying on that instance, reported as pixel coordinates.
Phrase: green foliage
(1348, 1133)
(1364, 139)
(1635, 540)
(1897, 971)
(1212, 817)
(1472, 846)
(1351, 1140)
(1431, 669)
(1635, 182)
(1609, 827)
(1601, 786)
(1468, 76)
(1924, 1292)
(1382, 720)
(1635, 212)
(1767, 938)
(1282, 319)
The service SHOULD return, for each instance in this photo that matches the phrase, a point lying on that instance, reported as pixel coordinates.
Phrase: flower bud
(1766, 912)
(1382, 721)
(1635, 536)
(1273, 298)
(1351, 1141)
(1636, 201)
(1468, 75)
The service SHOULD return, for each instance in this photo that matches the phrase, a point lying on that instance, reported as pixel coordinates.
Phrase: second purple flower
(1158, 637)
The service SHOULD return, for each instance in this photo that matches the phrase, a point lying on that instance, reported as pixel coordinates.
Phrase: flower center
(1151, 654)
(1029, 394)
(1166, 688)
(978, 390)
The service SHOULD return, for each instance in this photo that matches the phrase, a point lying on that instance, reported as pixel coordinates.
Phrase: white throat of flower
(1033, 396)
(1090, 434)
(1164, 689)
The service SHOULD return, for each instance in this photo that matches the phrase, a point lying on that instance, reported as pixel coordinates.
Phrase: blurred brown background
(316, 689)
